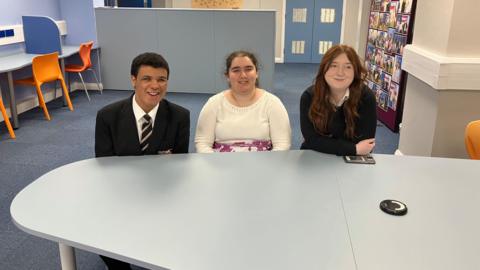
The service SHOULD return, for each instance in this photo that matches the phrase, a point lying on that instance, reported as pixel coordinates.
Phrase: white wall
(432, 25)
(362, 21)
(443, 87)
(448, 27)
(98, 3)
(350, 27)
(355, 28)
(464, 40)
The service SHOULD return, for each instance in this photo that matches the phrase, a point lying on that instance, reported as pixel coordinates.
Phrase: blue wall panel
(326, 31)
(298, 31)
(313, 31)
(41, 34)
(80, 18)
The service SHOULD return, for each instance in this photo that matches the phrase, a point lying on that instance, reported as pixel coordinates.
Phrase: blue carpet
(44, 145)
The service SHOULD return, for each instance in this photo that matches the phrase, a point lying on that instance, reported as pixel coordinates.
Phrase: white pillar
(443, 86)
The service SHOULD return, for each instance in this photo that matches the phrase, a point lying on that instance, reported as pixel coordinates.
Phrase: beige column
(355, 24)
(443, 86)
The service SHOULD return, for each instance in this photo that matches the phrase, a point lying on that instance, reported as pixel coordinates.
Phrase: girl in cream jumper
(243, 118)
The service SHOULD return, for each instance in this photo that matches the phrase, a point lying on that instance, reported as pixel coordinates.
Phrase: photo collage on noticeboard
(387, 35)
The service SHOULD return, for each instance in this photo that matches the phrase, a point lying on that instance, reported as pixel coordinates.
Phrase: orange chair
(84, 52)
(472, 139)
(5, 118)
(45, 68)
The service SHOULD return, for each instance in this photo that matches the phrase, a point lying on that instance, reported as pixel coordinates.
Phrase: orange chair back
(84, 52)
(46, 68)
(472, 139)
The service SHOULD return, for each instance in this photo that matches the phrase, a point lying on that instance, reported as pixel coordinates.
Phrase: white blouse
(224, 127)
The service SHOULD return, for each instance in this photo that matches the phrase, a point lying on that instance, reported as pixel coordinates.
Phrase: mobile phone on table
(367, 159)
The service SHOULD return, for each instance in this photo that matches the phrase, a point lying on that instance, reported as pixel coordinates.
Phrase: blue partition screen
(41, 34)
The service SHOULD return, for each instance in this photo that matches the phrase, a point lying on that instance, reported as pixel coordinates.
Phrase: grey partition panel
(244, 30)
(195, 43)
(123, 34)
(185, 39)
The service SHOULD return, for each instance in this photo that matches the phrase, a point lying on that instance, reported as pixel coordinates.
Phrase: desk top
(441, 228)
(19, 60)
(196, 211)
(266, 210)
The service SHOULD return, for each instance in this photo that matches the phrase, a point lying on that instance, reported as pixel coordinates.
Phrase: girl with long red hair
(338, 113)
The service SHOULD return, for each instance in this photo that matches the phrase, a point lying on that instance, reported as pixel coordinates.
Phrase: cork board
(227, 4)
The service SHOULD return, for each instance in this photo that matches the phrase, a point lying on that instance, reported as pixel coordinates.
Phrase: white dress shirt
(343, 99)
(139, 113)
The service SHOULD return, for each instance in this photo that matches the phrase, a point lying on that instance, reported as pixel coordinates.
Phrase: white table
(442, 227)
(270, 210)
(12, 62)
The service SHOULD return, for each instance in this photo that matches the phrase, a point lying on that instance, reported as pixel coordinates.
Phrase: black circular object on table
(393, 207)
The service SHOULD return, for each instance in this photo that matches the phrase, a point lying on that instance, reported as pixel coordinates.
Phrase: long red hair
(321, 109)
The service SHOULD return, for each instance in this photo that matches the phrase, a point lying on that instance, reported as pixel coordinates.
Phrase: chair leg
(41, 101)
(7, 120)
(84, 86)
(96, 80)
(65, 92)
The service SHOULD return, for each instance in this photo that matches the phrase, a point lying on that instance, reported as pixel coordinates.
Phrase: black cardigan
(336, 142)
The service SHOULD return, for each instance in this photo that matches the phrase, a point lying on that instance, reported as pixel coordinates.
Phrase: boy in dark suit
(143, 124)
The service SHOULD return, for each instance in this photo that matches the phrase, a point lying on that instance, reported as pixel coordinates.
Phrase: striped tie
(146, 132)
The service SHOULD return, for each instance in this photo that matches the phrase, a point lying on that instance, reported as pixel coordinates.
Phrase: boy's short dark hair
(151, 59)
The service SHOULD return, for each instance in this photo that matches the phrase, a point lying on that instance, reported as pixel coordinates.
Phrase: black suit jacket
(116, 130)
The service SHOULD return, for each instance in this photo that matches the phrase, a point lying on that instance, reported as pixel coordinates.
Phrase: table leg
(62, 64)
(13, 103)
(99, 70)
(67, 257)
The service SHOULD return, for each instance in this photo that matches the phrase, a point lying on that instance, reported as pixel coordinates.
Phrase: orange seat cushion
(74, 68)
(27, 81)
